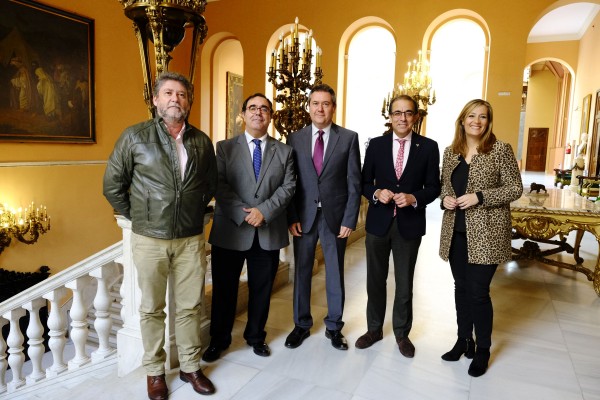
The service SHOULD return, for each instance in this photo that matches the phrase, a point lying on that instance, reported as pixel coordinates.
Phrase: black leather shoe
(368, 339)
(407, 349)
(296, 338)
(212, 353)
(337, 339)
(261, 349)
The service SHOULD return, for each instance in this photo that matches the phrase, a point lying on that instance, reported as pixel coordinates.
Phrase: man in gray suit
(325, 207)
(256, 184)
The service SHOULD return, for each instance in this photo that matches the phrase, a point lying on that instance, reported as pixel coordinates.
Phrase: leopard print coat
(497, 176)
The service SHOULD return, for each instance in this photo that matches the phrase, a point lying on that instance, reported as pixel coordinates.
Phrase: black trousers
(226, 270)
(471, 293)
(404, 253)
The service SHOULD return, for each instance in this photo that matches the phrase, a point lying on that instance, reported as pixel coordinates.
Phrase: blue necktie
(256, 158)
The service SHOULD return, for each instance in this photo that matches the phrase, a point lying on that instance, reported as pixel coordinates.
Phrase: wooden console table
(541, 218)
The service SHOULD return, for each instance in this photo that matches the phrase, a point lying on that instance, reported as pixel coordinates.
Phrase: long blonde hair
(487, 140)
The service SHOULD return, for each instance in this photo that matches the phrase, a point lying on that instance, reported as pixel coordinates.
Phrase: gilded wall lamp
(161, 24)
(24, 225)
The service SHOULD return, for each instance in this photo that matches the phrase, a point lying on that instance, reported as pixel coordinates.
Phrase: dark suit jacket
(237, 188)
(338, 187)
(421, 178)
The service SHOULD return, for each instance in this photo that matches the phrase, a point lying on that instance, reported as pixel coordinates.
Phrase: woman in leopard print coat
(480, 177)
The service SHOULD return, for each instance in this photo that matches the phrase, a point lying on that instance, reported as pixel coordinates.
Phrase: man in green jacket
(161, 175)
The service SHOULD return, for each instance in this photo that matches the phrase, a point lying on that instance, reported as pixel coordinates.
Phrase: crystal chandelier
(290, 72)
(417, 84)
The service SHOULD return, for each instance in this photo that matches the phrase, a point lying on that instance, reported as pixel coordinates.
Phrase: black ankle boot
(480, 362)
(462, 346)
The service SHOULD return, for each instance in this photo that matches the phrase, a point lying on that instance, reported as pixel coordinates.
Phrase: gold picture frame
(235, 98)
(46, 74)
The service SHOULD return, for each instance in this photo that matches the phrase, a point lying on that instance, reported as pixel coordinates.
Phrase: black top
(459, 183)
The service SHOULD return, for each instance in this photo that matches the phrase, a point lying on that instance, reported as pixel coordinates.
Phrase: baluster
(14, 341)
(79, 324)
(3, 363)
(35, 333)
(102, 322)
(57, 323)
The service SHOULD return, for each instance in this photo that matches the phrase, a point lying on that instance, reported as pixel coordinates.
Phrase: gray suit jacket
(237, 188)
(338, 188)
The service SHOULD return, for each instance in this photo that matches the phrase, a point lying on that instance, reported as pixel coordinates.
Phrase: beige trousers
(184, 261)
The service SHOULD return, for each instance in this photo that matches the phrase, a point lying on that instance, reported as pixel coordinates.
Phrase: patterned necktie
(399, 162)
(400, 158)
(318, 153)
(256, 158)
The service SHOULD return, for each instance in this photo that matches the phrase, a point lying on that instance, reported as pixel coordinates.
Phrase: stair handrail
(84, 267)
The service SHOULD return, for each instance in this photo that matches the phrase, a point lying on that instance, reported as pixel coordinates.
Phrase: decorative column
(3, 363)
(35, 333)
(102, 322)
(57, 323)
(79, 324)
(14, 341)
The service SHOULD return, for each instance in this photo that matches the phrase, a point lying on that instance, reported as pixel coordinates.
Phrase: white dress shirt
(251, 145)
(181, 152)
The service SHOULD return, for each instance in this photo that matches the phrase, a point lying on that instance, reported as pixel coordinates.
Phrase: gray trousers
(304, 255)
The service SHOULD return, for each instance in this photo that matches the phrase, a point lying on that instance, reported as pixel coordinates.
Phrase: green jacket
(143, 181)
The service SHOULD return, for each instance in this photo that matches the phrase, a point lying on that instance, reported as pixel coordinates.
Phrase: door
(536, 149)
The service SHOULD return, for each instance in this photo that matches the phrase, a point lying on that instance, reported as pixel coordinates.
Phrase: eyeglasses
(255, 109)
(407, 113)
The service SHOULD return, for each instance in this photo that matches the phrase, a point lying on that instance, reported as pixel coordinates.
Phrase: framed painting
(585, 114)
(46, 74)
(235, 98)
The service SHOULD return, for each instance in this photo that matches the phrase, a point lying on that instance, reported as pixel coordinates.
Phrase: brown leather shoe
(407, 349)
(368, 339)
(157, 387)
(199, 382)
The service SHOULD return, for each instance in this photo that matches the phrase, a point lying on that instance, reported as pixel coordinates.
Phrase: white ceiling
(564, 23)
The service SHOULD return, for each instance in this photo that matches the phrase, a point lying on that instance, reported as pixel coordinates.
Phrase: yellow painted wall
(82, 220)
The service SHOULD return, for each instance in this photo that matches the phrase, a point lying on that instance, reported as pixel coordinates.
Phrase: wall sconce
(26, 226)
(162, 24)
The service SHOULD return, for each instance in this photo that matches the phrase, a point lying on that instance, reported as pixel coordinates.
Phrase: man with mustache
(161, 175)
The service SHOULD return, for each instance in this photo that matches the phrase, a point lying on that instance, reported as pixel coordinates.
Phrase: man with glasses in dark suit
(400, 176)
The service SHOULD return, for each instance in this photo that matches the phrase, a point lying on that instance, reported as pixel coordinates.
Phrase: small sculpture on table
(536, 187)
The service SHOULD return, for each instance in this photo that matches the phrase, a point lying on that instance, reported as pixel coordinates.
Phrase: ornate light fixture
(25, 226)
(163, 23)
(291, 73)
(417, 84)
